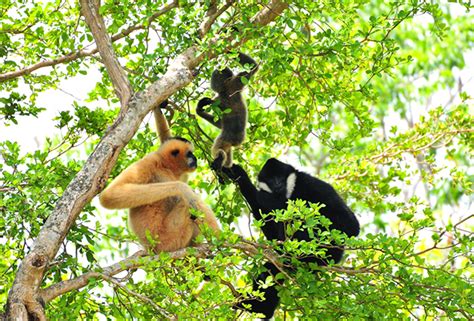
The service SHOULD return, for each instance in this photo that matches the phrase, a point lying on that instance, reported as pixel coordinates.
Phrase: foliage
(369, 96)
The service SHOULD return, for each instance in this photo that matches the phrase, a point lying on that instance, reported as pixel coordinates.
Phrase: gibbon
(155, 190)
(277, 183)
(234, 111)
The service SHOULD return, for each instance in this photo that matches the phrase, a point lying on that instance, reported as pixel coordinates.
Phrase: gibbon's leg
(209, 217)
(128, 195)
(205, 115)
(178, 229)
(228, 162)
(270, 301)
(219, 152)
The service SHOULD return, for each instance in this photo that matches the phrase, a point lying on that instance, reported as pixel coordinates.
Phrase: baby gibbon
(155, 190)
(233, 120)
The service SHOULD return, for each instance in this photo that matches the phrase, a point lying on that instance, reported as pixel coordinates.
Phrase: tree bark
(90, 11)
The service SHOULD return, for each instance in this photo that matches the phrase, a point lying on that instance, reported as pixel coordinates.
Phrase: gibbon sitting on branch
(155, 190)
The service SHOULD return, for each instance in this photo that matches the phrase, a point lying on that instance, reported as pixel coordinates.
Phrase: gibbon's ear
(175, 152)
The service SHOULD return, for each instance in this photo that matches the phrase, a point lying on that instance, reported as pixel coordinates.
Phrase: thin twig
(82, 53)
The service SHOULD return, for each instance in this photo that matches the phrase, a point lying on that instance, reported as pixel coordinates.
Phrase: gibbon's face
(178, 155)
(277, 178)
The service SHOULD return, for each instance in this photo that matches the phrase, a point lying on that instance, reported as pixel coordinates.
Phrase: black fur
(275, 173)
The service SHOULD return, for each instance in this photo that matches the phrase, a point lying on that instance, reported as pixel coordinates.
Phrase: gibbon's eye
(175, 152)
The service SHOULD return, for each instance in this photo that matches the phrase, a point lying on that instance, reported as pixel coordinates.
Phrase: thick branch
(139, 259)
(270, 12)
(212, 15)
(91, 180)
(84, 53)
(90, 11)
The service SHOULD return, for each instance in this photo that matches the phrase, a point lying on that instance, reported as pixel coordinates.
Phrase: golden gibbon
(155, 190)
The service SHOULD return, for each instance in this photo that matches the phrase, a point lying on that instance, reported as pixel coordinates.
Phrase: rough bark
(25, 298)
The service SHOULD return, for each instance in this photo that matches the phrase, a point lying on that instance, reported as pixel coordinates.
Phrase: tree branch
(212, 15)
(90, 11)
(83, 52)
(141, 258)
(270, 12)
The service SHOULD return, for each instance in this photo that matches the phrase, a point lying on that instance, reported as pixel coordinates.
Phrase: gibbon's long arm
(162, 127)
(244, 59)
(202, 113)
(248, 190)
(271, 229)
(131, 189)
(129, 195)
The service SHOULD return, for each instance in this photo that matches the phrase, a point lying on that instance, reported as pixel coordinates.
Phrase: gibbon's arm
(244, 59)
(161, 125)
(202, 113)
(259, 202)
(346, 221)
(130, 188)
(249, 192)
(129, 195)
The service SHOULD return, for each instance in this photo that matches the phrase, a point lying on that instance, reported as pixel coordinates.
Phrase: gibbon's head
(220, 80)
(277, 178)
(177, 155)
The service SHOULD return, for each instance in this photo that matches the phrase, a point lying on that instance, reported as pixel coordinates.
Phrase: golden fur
(155, 190)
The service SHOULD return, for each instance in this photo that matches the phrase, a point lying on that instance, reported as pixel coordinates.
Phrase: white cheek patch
(264, 187)
(290, 184)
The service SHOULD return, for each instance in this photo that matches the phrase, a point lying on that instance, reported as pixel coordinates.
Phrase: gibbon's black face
(220, 78)
(277, 177)
(178, 154)
(192, 160)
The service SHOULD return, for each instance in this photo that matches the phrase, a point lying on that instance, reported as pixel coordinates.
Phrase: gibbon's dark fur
(277, 183)
(229, 97)
(155, 190)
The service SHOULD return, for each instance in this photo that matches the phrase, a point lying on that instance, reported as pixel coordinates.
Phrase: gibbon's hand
(234, 173)
(164, 104)
(204, 102)
(187, 193)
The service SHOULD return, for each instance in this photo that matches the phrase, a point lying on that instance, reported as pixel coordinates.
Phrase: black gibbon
(155, 190)
(277, 183)
(234, 117)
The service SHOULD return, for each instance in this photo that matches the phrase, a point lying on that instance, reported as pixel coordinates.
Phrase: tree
(382, 114)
